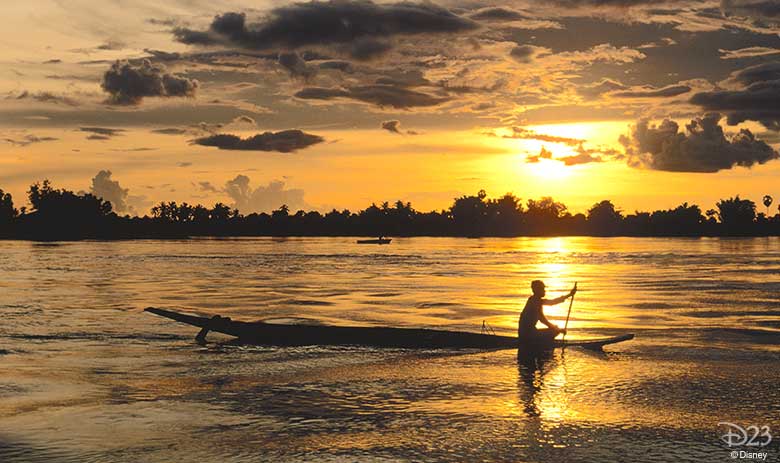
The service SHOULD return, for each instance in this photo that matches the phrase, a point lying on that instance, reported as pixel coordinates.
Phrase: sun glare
(549, 169)
(545, 148)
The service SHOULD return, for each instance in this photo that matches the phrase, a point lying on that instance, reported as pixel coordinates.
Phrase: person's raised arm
(558, 300)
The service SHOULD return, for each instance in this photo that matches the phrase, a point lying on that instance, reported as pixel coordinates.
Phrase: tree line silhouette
(59, 214)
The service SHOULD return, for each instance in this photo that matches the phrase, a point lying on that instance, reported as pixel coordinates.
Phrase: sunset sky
(345, 103)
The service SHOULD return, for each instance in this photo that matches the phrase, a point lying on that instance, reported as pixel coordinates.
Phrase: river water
(87, 376)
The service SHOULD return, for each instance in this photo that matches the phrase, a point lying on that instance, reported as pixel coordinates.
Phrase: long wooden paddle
(571, 303)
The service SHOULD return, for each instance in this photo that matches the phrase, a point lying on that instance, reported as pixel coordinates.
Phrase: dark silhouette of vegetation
(64, 214)
(58, 214)
(7, 212)
(736, 214)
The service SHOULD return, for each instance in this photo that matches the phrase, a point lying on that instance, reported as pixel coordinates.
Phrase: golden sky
(341, 104)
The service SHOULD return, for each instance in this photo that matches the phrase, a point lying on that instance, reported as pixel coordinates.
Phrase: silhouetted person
(534, 312)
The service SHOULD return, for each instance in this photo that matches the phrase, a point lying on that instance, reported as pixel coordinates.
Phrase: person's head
(537, 286)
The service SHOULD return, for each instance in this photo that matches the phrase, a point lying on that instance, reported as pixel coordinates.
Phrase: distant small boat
(375, 241)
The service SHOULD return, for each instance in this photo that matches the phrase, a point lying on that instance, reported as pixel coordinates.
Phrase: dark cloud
(84, 78)
(109, 132)
(391, 126)
(766, 10)
(765, 72)
(161, 22)
(205, 127)
(170, 131)
(45, 97)
(588, 156)
(748, 52)
(404, 78)
(665, 92)
(523, 133)
(343, 66)
(758, 101)
(496, 86)
(326, 22)
(663, 42)
(296, 66)
(761, 96)
(161, 55)
(599, 88)
(485, 105)
(311, 55)
(611, 3)
(367, 48)
(263, 198)
(544, 153)
(379, 95)
(498, 14)
(240, 122)
(28, 140)
(581, 158)
(129, 83)
(284, 142)
(702, 148)
(322, 93)
(183, 164)
(192, 37)
(394, 126)
(53, 61)
(243, 119)
(523, 53)
(112, 45)
(207, 186)
(95, 136)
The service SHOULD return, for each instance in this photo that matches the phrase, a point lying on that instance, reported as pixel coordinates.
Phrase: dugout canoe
(263, 333)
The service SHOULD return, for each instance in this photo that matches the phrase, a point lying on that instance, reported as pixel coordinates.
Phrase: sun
(549, 169)
(546, 162)
(546, 146)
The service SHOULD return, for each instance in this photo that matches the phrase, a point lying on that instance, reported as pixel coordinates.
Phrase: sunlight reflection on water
(86, 376)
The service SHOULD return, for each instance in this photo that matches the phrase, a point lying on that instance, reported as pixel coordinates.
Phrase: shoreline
(187, 237)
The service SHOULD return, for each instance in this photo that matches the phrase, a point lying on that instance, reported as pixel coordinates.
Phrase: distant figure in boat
(534, 312)
(380, 240)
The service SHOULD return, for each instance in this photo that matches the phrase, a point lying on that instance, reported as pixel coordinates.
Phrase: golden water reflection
(74, 343)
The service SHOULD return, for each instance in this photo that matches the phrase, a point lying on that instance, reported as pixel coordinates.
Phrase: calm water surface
(86, 376)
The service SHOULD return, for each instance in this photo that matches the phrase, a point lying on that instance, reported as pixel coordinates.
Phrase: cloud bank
(757, 100)
(122, 202)
(129, 84)
(326, 22)
(263, 198)
(703, 147)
